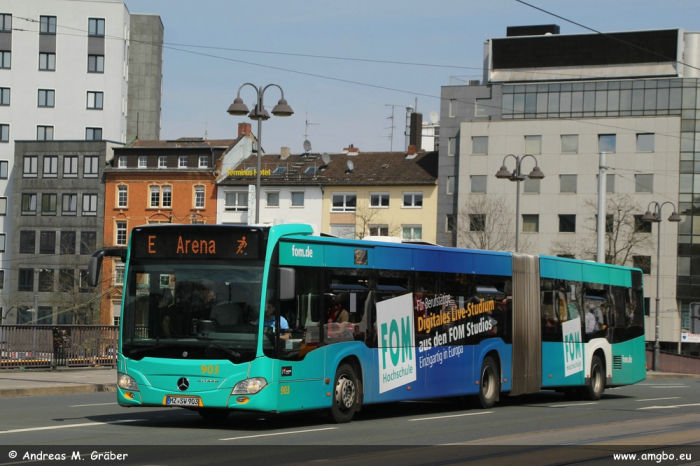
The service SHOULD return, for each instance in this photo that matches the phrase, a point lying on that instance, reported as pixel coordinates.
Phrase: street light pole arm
(238, 94)
(262, 91)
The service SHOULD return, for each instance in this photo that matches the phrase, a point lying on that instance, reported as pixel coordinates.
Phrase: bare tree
(486, 222)
(624, 237)
(367, 217)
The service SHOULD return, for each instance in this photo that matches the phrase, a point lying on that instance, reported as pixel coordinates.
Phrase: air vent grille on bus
(617, 363)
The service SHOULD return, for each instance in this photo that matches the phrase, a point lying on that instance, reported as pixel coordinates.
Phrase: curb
(67, 390)
(652, 375)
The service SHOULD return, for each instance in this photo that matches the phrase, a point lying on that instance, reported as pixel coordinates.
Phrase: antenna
(351, 166)
(391, 137)
(307, 146)
(326, 158)
(306, 127)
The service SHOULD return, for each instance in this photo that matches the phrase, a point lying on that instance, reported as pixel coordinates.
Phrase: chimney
(411, 150)
(415, 137)
(243, 129)
(352, 150)
(285, 153)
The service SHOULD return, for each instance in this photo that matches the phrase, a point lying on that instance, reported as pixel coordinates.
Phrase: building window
(644, 183)
(122, 196)
(344, 202)
(27, 242)
(67, 242)
(47, 25)
(30, 166)
(96, 63)
(47, 242)
(28, 204)
(158, 193)
(4, 164)
(531, 186)
(6, 22)
(412, 232)
(96, 27)
(89, 205)
(567, 183)
(94, 100)
(50, 166)
(121, 233)
(5, 137)
(66, 281)
(155, 196)
(199, 197)
(93, 134)
(236, 201)
(298, 199)
(88, 242)
(607, 143)
(272, 199)
(478, 183)
(143, 161)
(48, 204)
(279, 170)
(452, 108)
(47, 62)
(182, 161)
(480, 145)
(118, 274)
(4, 96)
(567, 223)
(70, 166)
(477, 222)
(452, 147)
(26, 280)
(5, 59)
(569, 143)
(379, 200)
(163, 161)
(122, 162)
(531, 223)
(643, 263)
(450, 185)
(641, 226)
(343, 231)
(167, 196)
(46, 281)
(91, 166)
(203, 161)
(450, 223)
(44, 133)
(413, 200)
(533, 145)
(3, 206)
(645, 142)
(310, 170)
(46, 97)
(69, 205)
(379, 230)
(2, 281)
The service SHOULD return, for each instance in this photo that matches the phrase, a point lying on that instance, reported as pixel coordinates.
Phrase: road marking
(669, 386)
(669, 407)
(94, 404)
(452, 415)
(569, 405)
(279, 433)
(656, 399)
(67, 426)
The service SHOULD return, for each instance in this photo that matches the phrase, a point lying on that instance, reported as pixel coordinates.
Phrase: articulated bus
(222, 318)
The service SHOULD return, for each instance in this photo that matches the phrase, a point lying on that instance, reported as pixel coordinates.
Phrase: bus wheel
(344, 394)
(597, 380)
(489, 385)
(213, 414)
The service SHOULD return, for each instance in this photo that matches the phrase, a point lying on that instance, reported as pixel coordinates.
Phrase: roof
(368, 168)
(181, 143)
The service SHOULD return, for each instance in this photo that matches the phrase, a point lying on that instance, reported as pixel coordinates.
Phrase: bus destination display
(196, 243)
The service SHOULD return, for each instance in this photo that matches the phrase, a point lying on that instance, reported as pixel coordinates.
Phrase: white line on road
(279, 433)
(656, 399)
(453, 415)
(94, 404)
(669, 386)
(669, 407)
(570, 405)
(67, 426)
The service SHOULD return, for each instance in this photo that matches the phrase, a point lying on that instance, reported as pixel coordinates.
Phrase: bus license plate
(182, 401)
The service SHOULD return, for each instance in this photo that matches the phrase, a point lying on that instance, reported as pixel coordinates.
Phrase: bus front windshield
(188, 310)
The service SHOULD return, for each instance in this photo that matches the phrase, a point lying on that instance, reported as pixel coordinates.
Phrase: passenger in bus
(336, 311)
(590, 319)
(166, 308)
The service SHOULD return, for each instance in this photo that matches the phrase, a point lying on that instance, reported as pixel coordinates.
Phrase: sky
(212, 47)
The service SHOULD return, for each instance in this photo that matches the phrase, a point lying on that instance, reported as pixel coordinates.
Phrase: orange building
(157, 182)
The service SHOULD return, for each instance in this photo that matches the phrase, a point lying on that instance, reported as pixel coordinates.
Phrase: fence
(678, 363)
(49, 346)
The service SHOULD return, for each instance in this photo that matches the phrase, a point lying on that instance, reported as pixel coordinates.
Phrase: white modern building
(69, 71)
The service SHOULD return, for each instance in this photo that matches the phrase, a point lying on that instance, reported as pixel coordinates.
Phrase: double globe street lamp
(656, 218)
(238, 108)
(504, 174)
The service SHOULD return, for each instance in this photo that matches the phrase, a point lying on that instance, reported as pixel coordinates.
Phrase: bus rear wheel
(213, 414)
(489, 383)
(595, 389)
(344, 394)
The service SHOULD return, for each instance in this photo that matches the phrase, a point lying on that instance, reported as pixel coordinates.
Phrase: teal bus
(223, 318)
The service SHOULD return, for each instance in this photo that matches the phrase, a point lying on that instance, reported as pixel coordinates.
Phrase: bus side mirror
(95, 263)
(287, 283)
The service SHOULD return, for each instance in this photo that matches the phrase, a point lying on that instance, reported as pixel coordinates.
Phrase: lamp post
(503, 173)
(656, 217)
(238, 108)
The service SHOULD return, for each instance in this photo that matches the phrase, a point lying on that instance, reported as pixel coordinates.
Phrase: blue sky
(200, 83)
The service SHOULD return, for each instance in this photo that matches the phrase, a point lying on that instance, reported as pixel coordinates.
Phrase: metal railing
(49, 346)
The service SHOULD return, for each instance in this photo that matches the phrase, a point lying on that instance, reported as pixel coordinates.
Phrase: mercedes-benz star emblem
(183, 384)
(184, 354)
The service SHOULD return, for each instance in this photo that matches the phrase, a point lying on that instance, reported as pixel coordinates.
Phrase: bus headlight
(249, 386)
(127, 382)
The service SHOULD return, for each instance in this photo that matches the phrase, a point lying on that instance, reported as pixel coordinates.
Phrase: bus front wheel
(595, 389)
(489, 385)
(344, 394)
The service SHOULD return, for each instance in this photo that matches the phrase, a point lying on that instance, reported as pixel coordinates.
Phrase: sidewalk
(15, 382)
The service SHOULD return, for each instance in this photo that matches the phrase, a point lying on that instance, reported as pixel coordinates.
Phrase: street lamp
(238, 108)
(656, 217)
(503, 174)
